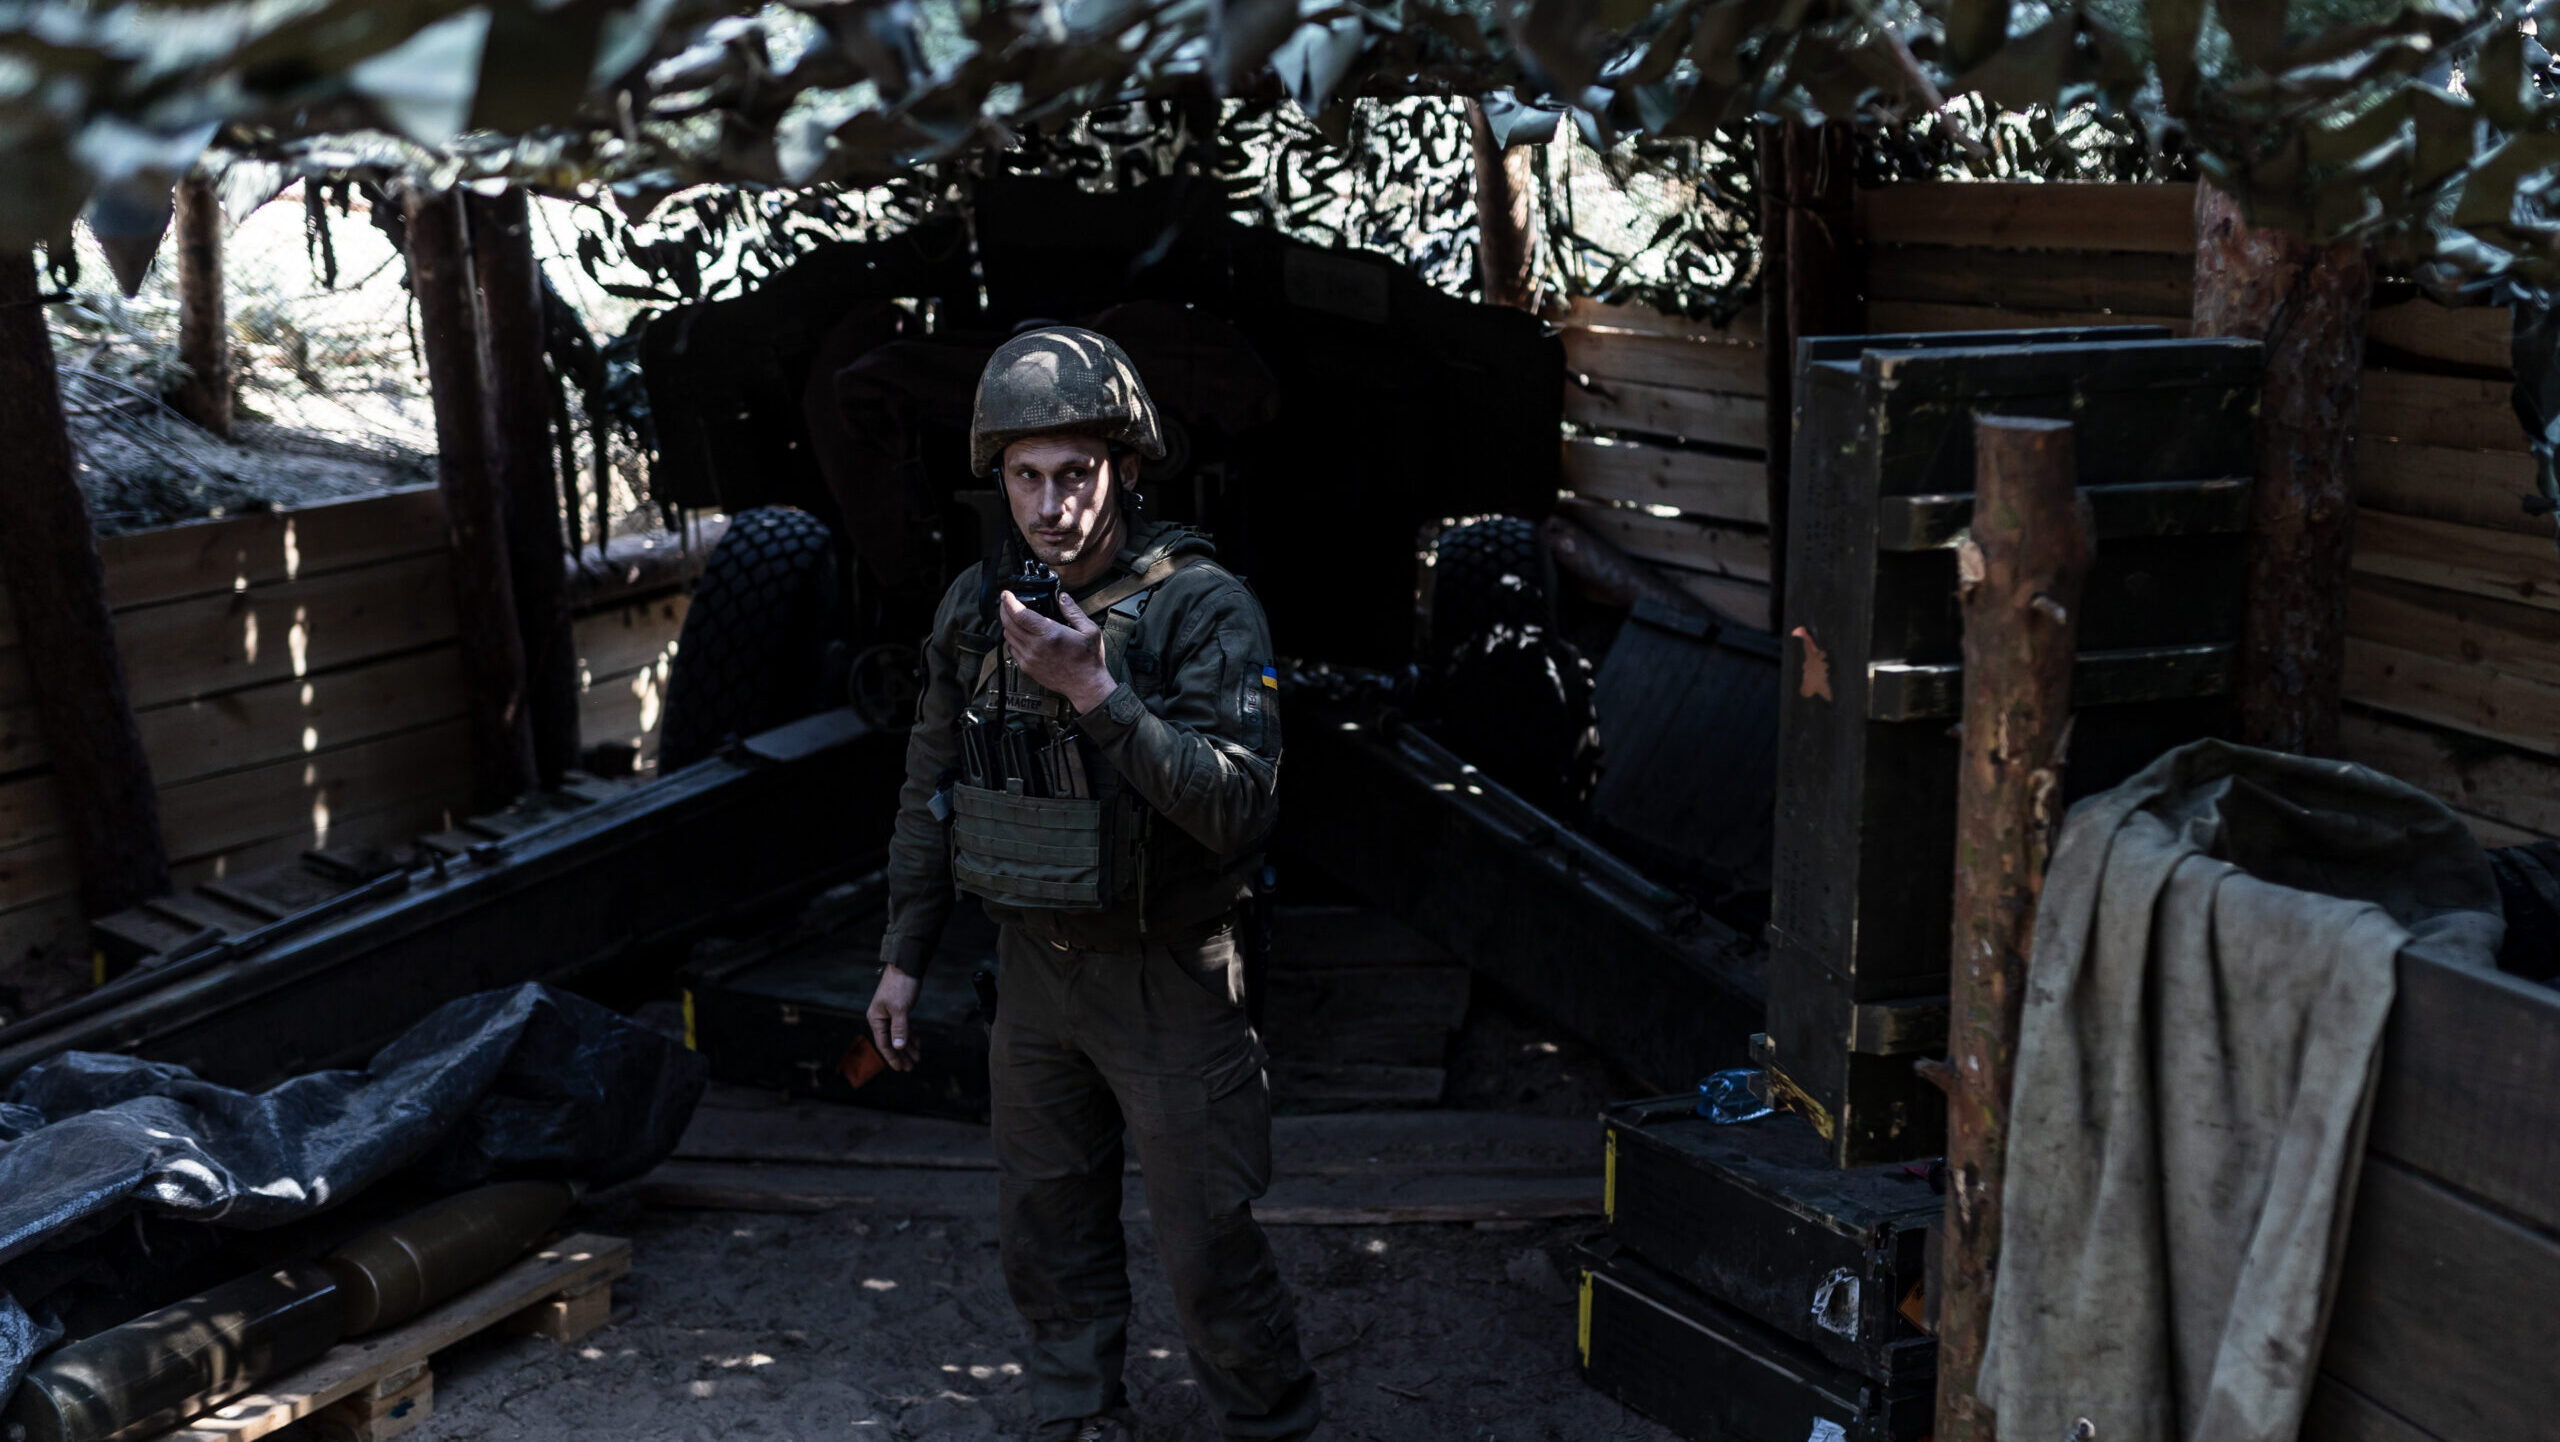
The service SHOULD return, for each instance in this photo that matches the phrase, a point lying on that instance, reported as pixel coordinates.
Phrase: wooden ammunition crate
(1872, 678)
(1755, 1217)
(1713, 1375)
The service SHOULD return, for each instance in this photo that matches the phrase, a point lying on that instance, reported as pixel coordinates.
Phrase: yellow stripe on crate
(1584, 1338)
(1609, 1178)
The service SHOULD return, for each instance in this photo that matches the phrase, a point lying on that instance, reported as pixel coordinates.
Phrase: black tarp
(110, 1164)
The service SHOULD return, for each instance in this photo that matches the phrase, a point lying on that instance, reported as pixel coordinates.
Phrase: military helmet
(1060, 380)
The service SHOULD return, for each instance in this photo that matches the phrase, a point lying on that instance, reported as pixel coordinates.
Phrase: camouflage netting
(2429, 127)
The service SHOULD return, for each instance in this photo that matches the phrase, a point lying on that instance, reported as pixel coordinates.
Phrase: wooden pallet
(377, 1388)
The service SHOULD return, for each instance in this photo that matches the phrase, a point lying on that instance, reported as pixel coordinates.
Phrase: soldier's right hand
(899, 1046)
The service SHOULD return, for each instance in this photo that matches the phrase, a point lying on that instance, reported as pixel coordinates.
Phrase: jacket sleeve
(919, 870)
(1206, 752)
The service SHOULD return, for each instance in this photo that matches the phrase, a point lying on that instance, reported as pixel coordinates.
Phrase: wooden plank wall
(296, 681)
(1667, 451)
(2453, 683)
(2453, 661)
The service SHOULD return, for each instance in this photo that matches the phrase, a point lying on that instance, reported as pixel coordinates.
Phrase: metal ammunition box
(1713, 1375)
(787, 1014)
(1755, 1217)
(1872, 678)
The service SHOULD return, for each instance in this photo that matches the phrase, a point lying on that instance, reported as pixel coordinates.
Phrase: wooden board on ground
(738, 1125)
(1315, 1085)
(1391, 1015)
(575, 1262)
(2032, 215)
(1370, 1199)
(1704, 483)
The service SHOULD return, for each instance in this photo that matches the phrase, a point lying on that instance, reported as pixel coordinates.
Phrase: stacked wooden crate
(295, 678)
(1667, 453)
(2453, 657)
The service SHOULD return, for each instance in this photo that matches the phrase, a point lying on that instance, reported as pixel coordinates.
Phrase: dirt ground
(848, 1326)
(891, 1321)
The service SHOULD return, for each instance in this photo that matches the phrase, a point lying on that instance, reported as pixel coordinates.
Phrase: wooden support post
(1506, 218)
(474, 508)
(2020, 570)
(58, 589)
(1812, 283)
(2309, 305)
(204, 328)
(520, 392)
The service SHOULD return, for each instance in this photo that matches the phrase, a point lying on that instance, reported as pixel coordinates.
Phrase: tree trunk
(2020, 572)
(204, 329)
(520, 392)
(58, 590)
(1812, 283)
(1506, 218)
(483, 593)
(2308, 304)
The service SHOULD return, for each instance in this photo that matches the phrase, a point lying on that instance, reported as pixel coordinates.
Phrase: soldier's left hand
(1066, 659)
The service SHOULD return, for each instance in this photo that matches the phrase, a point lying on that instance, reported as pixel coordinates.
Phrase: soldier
(1103, 782)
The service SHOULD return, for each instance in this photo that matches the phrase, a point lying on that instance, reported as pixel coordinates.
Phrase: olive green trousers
(1097, 1051)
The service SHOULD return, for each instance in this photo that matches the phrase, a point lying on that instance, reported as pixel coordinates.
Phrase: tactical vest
(1085, 845)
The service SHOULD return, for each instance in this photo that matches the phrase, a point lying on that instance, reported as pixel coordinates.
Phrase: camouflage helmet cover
(1060, 380)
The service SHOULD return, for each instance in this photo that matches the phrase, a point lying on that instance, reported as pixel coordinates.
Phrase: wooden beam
(2021, 566)
(1819, 290)
(474, 505)
(2307, 304)
(1703, 483)
(204, 328)
(2072, 281)
(1506, 214)
(58, 593)
(2033, 215)
(520, 391)
(2513, 787)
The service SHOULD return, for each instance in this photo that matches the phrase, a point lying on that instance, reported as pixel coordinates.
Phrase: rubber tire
(752, 652)
(1516, 703)
(1487, 572)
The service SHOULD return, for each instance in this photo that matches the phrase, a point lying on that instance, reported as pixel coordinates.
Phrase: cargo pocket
(1214, 968)
(1028, 851)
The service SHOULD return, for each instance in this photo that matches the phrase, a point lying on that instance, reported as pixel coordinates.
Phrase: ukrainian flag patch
(1271, 677)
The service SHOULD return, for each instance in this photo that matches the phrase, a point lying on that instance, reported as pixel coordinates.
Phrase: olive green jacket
(1193, 729)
